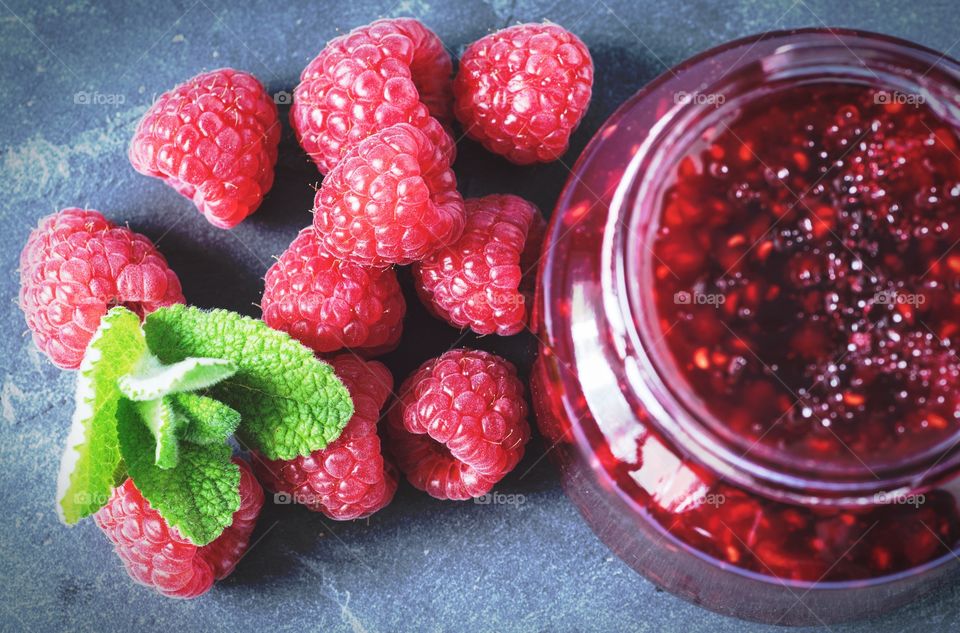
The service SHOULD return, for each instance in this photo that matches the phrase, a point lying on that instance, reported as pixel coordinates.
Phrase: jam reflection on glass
(806, 276)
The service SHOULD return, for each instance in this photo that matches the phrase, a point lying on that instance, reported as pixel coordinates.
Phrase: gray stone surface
(420, 565)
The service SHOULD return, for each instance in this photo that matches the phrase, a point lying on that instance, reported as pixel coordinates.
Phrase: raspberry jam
(749, 320)
(805, 277)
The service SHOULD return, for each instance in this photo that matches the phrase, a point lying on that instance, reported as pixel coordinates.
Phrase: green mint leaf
(150, 379)
(160, 418)
(291, 403)
(91, 464)
(203, 420)
(198, 496)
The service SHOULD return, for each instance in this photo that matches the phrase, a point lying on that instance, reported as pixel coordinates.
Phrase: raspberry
(349, 479)
(327, 303)
(460, 424)
(484, 280)
(74, 267)
(522, 91)
(392, 200)
(214, 139)
(390, 71)
(157, 556)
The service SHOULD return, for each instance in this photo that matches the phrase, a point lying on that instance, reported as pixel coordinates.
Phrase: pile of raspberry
(376, 112)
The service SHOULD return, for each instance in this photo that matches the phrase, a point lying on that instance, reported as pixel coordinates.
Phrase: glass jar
(703, 491)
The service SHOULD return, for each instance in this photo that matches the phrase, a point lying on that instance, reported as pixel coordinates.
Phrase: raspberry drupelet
(155, 554)
(349, 479)
(328, 303)
(393, 199)
(214, 139)
(390, 71)
(485, 279)
(460, 425)
(522, 91)
(74, 267)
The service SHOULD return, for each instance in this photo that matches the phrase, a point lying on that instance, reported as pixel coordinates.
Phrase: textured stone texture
(420, 565)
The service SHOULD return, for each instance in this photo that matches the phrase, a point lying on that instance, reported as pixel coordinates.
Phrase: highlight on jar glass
(749, 319)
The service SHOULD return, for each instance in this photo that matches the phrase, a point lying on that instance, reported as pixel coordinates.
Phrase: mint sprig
(157, 403)
(290, 402)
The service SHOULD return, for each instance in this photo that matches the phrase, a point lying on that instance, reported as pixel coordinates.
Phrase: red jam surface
(806, 275)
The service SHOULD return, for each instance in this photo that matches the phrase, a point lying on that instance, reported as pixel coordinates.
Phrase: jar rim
(797, 57)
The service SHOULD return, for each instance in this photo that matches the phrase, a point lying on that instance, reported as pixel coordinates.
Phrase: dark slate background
(419, 565)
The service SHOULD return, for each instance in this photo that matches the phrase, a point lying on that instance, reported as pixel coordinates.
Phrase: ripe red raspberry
(522, 91)
(214, 139)
(393, 199)
(74, 267)
(349, 479)
(390, 71)
(155, 554)
(485, 280)
(460, 424)
(327, 303)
